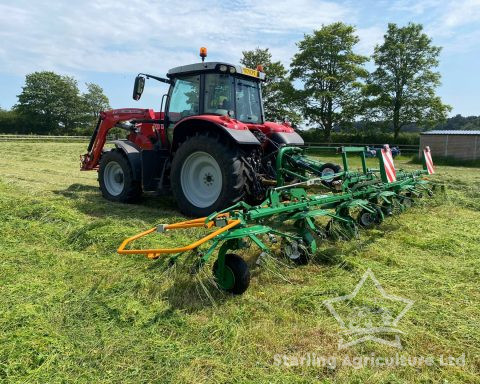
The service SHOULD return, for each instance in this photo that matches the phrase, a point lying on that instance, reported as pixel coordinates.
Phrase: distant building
(463, 145)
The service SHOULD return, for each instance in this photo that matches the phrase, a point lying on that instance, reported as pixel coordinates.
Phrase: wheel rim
(113, 178)
(367, 219)
(328, 172)
(292, 252)
(228, 280)
(201, 179)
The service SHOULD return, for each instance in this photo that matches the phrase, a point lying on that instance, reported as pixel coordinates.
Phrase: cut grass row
(72, 310)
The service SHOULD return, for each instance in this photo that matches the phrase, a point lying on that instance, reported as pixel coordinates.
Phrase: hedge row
(313, 136)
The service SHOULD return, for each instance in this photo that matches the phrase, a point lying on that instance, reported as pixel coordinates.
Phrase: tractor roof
(215, 66)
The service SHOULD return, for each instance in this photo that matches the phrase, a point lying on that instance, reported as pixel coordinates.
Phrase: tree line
(52, 104)
(337, 91)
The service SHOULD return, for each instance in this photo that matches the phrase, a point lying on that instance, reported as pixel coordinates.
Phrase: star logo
(374, 321)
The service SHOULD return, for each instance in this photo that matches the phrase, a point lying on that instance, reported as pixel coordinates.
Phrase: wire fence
(405, 149)
(48, 138)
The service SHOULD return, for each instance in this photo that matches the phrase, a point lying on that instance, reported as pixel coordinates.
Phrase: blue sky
(109, 41)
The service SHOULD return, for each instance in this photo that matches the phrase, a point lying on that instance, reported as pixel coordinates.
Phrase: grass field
(73, 310)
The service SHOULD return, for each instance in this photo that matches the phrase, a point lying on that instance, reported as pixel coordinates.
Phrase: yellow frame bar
(155, 253)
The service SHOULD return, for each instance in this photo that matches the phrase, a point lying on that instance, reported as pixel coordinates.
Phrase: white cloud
(415, 7)
(140, 35)
(457, 27)
(369, 37)
(462, 12)
(442, 18)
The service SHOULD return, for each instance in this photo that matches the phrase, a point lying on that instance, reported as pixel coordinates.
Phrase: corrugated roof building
(463, 145)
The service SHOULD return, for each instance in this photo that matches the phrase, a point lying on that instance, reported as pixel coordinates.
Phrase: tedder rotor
(291, 213)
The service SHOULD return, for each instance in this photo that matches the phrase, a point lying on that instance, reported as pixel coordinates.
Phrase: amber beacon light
(203, 53)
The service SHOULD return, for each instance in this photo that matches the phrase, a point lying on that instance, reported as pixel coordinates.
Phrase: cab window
(247, 100)
(219, 97)
(184, 99)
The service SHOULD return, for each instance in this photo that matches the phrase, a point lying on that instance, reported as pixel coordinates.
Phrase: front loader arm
(106, 121)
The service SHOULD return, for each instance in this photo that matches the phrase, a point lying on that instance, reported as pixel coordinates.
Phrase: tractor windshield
(236, 97)
(247, 101)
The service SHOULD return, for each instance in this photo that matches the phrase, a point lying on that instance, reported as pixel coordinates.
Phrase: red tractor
(211, 146)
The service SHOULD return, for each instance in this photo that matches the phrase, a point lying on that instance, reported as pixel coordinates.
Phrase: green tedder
(297, 213)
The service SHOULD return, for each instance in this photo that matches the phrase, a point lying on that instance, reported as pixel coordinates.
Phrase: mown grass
(72, 310)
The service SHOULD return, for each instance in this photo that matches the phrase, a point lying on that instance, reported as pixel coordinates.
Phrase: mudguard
(234, 129)
(241, 136)
(288, 138)
(132, 153)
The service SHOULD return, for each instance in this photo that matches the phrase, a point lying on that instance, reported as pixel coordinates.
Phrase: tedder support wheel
(116, 180)
(297, 253)
(236, 275)
(207, 175)
(329, 169)
(368, 219)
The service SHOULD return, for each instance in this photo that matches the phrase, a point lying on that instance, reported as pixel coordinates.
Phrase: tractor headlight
(223, 68)
(232, 70)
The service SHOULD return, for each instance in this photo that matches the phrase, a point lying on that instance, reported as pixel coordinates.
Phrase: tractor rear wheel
(207, 175)
(116, 180)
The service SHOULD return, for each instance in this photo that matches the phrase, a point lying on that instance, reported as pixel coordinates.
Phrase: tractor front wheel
(207, 175)
(116, 180)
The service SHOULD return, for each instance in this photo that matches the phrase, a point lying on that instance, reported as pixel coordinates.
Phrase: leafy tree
(403, 84)
(331, 72)
(50, 102)
(277, 90)
(11, 122)
(95, 100)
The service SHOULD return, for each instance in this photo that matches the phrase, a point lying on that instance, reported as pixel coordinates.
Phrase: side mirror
(138, 87)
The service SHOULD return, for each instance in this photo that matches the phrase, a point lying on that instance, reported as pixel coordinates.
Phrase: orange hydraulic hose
(153, 253)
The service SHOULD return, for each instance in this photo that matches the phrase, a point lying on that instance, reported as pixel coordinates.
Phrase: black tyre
(116, 180)
(296, 253)
(207, 175)
(368, 219)
(237, 274)
(329, 169)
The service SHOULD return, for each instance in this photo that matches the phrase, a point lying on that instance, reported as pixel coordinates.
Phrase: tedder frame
(291, 213)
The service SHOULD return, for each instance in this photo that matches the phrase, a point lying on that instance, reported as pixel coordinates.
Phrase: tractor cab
(210, 88)
(215, 88)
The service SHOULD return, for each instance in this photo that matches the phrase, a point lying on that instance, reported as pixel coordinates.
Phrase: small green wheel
(368, 219)
(328, 169)
(236, 275)
(298, 253)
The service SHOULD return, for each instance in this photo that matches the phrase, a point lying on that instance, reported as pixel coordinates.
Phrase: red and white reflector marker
(388, 164)
(428, 160)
